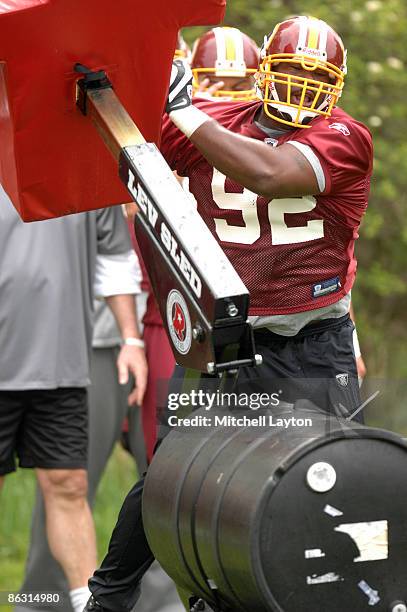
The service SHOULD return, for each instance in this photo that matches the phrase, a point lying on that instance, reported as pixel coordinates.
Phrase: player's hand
(206, 90)
(180, 91)
(131, 209)
(361, 367)
(132, 360)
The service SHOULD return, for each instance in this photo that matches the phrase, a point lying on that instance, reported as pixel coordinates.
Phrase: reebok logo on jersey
(325, 287)
(341, 127)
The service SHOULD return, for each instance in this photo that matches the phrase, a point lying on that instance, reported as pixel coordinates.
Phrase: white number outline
(246, 202)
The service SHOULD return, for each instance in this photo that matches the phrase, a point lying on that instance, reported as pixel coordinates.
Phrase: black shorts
(44, 428)
(315, 366)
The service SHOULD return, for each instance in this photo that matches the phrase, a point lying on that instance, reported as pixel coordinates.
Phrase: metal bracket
(92, 80)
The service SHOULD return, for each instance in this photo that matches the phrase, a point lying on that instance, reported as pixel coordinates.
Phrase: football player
(223, 63)
(282, 184)
(230, 58)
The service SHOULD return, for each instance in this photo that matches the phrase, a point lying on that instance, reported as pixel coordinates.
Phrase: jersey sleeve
(117, 275)
(112, 234)
(341, 150)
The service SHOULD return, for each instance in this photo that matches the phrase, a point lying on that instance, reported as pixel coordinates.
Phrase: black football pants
(317, 364)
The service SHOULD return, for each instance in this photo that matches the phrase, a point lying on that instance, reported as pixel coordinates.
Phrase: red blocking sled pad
(52, 160)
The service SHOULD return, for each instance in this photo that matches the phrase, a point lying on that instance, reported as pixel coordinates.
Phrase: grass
(16, 502)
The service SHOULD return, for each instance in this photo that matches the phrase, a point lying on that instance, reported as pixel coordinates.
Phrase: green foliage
(374, 32)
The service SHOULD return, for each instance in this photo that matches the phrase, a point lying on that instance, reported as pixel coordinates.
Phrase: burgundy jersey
(293, 254)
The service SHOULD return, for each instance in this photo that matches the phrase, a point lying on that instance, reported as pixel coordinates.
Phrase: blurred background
(375, 93)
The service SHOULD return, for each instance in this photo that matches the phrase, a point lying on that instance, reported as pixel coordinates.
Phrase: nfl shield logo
(342, 379)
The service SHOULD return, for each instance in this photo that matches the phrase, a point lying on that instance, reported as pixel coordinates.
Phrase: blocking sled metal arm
(202, 300)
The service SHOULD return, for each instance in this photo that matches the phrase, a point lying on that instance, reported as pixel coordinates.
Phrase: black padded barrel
(303, 519)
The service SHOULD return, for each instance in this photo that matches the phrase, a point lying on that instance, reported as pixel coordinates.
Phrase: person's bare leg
(1, 482)
(69, 523)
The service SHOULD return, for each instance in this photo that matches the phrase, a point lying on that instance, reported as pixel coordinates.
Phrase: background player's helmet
(314, 45)
(225, 52)
(182, 51)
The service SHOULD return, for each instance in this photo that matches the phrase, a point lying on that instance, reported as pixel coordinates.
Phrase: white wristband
(134, 342)
(356, 345)
(189, 119)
